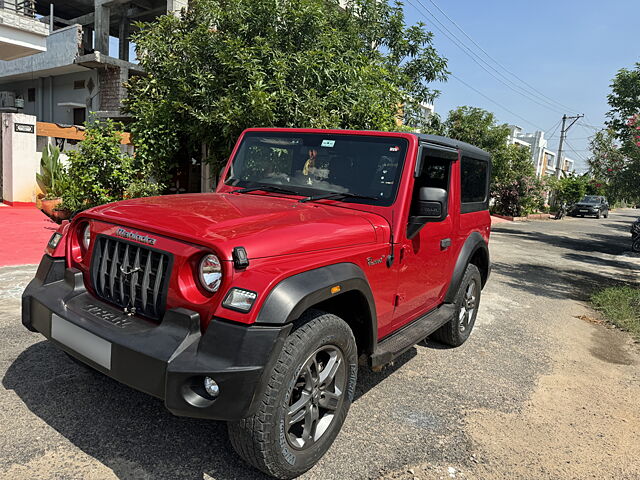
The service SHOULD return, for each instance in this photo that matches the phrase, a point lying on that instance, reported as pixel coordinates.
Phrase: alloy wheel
(468, 307)
(316, 397)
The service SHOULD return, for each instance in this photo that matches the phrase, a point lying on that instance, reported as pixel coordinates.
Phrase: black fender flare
(297, 293)
(472, 244)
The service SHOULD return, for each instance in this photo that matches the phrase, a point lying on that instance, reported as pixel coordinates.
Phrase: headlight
(86, 237)
(210, 273)
(239, 299)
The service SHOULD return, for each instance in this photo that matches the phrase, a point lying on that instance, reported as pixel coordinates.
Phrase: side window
(435, 174)
(474, 184)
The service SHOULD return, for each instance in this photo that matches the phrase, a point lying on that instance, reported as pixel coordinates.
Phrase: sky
(567, 50)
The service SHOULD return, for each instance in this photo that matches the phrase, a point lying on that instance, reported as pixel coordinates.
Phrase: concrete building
(78, 73)
(21, 34)
(544, 160)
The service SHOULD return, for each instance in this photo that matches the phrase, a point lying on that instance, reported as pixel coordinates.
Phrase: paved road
(535, 393)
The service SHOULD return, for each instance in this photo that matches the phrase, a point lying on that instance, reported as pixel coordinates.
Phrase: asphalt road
(535, 393)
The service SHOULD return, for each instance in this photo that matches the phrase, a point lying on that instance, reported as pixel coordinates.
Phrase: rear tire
(635, 246)
(467, 300)
(306, 400)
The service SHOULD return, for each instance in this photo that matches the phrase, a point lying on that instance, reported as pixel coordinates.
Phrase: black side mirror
(432, 206)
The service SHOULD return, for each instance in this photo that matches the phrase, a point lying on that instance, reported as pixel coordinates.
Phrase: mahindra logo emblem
(121, 232)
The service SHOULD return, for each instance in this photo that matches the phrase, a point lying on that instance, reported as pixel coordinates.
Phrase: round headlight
(210, 273)
(86, 237)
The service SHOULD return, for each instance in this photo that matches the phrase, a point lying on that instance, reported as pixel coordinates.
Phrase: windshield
(315, 163)
(590, 199)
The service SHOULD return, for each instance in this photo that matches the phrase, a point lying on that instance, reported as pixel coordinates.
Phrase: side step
(399, 342)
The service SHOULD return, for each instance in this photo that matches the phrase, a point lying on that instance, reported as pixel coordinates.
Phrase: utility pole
(563, 134)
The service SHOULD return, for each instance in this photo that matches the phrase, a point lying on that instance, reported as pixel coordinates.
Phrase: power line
(496, 102)
(472, 55)
(552, 101)
(575, 151)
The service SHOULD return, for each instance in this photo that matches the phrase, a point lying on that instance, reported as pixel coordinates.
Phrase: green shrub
(100, 173)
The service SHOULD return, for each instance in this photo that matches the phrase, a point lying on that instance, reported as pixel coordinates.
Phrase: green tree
(224, 66)
(624, 101)
(615, 151)
(569, 189)
(514, 186)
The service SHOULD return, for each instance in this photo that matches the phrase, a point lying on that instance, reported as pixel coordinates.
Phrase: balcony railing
(21, 7)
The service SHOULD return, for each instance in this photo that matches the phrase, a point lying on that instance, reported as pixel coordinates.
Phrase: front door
(425, 260)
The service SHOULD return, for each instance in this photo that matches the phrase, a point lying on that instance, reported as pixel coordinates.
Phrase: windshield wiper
(267, 188)
(336, 195)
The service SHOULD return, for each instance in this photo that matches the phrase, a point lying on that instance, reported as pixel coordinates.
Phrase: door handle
(445, 243)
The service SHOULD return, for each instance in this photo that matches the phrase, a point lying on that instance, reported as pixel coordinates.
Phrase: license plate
(87, 344)
(584, 211)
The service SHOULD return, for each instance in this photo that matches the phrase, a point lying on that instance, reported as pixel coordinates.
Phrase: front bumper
(168, 360)
(575, 211)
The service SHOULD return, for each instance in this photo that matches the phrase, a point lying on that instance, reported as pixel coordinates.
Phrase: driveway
(541, 389)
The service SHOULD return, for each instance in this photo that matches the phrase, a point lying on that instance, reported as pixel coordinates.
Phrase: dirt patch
(582, 422)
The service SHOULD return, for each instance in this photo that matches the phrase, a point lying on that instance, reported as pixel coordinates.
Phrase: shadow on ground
(613, 244)
(129, 431)
(551, 282)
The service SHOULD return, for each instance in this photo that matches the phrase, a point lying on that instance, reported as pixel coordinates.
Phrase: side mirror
(432, 206)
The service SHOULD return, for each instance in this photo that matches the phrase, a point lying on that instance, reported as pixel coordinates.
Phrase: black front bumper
(169, 359)
(575, 211)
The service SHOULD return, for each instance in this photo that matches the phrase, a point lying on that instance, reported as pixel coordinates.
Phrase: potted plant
(52, 181)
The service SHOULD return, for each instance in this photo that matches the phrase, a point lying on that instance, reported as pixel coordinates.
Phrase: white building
(544, 160)
(21, 34)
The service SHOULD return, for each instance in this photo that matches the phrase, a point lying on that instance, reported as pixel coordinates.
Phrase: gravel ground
(541, 390)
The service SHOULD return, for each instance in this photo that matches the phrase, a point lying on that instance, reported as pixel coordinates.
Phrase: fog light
(239, 299)
(211, 387)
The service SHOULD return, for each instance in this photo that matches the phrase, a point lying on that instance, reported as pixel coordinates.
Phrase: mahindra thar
(321, 250)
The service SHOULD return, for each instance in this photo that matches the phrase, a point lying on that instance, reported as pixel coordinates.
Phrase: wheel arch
(474, 250)
(354, 301)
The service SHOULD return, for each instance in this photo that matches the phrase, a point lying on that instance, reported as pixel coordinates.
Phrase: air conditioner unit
(8, 101)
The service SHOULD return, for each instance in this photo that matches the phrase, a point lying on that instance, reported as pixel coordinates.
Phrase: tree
(615, 150)
(224, 66)
(624, 101)
(514, 186)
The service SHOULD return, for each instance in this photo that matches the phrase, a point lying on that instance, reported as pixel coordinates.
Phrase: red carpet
(25, 232)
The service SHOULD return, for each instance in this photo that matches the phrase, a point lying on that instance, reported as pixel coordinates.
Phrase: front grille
(131, 276)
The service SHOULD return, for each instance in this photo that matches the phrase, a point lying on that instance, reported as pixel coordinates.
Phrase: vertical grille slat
(103, 267)
(156, 286)
(145, 280)
(126, 274)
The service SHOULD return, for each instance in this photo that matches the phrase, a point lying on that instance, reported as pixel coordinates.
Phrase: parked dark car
(595, 205)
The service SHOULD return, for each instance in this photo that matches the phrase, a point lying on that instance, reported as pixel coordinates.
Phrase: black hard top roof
(465, 148)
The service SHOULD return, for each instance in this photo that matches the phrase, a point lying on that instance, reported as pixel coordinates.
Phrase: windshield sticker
(328, 143)
(394, 149)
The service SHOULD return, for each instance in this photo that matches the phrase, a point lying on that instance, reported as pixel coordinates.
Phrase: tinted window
(473, 177)
(315, 163)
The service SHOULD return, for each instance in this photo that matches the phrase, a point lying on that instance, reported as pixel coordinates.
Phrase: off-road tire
(261, 439)
(450, 333)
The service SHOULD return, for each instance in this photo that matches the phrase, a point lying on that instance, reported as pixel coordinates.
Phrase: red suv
(320, 249)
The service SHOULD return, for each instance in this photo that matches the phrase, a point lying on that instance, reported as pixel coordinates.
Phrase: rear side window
(474, 180)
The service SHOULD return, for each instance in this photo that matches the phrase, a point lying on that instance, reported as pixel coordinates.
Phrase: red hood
(264, 225)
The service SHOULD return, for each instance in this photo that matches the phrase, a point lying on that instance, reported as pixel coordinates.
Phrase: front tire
(306, 400)
(467, 300)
